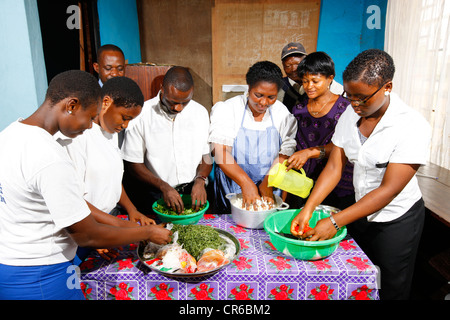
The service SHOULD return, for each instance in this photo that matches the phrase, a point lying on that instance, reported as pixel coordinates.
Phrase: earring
(69, 111)
(386, 93)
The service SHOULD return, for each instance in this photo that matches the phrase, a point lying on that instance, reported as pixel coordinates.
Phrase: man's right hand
(172, 198)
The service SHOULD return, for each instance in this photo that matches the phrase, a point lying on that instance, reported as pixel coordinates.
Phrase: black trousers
(392, 246)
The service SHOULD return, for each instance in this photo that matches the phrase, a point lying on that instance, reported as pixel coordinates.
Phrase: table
(434, 182)
(260, 272)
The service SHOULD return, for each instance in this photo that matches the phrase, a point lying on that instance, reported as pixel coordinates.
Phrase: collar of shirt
(296, 86)
(248, 111)
(164, 109)
(392, 114)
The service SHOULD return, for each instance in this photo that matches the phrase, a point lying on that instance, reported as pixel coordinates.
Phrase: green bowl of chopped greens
(188, 216)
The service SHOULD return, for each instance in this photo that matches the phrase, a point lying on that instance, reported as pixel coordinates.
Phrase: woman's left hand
(267, 195)
(324, 230)
(137, 217)
(108, 254)
(298, 159)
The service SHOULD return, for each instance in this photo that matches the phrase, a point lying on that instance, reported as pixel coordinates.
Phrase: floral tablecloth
(260, 272)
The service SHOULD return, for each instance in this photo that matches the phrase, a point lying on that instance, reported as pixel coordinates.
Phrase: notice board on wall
(247, 31)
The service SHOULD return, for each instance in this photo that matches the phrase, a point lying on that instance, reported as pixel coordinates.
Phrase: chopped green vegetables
(162, 208)
(196, 238)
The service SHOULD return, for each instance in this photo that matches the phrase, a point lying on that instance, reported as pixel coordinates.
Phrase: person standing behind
(387, 141)
(292, 92)
(166, 148)
(317, 117)
(43, 214)
(110, 63)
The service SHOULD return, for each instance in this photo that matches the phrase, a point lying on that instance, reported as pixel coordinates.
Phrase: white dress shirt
(401, 136)
(171, 149)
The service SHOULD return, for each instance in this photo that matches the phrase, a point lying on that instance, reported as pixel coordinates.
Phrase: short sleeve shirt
(41, 195)
(171, 149)
(98, 162)
(401, 136)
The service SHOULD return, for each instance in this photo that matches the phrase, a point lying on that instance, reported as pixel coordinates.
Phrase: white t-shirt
(98, 161)
(401, 136)
(41, 195)
(226, 119)
(170, 149)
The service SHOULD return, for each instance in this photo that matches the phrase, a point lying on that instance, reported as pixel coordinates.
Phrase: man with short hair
(110, 63)
(166, 148)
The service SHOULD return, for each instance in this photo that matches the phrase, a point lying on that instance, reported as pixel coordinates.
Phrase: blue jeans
(51, 282)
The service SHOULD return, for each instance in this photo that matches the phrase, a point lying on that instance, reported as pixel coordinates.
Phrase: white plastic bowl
(252, 219)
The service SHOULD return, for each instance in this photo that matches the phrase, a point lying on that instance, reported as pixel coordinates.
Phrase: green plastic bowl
(181, 219)
(280, 222)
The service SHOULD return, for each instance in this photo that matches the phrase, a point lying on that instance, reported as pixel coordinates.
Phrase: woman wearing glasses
(317, 117)
(387, 141)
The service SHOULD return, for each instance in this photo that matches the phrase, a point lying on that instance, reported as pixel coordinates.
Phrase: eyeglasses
(359, 102)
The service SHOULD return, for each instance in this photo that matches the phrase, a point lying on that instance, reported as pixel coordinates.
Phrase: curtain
(418, 38)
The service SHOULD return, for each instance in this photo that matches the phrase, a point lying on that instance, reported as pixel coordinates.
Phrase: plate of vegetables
(195, 251)
(187, 216)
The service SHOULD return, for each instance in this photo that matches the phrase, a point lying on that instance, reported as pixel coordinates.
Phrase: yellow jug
(291, 181)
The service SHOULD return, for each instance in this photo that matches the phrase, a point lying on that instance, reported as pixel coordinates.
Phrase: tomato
(305, 229)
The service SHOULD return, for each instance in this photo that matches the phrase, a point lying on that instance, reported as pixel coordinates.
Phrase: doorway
(70, 35)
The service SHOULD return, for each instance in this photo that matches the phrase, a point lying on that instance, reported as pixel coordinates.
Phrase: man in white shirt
(166, 148)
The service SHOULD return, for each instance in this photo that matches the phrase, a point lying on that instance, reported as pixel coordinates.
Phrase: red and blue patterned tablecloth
(260, 272)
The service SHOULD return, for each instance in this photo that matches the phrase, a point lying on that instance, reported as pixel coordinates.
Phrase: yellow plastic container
(291, 181)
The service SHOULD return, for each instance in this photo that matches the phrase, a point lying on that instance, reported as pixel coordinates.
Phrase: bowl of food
(187, 216)
(253, 218)
(195, 251)
(278, 227)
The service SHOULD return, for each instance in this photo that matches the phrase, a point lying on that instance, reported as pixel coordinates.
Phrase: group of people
(95, 148)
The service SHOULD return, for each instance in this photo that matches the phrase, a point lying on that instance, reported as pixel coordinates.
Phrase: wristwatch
(322, 152)
(201, 177)
(334, 223)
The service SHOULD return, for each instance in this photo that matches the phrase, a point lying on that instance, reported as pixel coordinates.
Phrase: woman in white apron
(249, 133)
